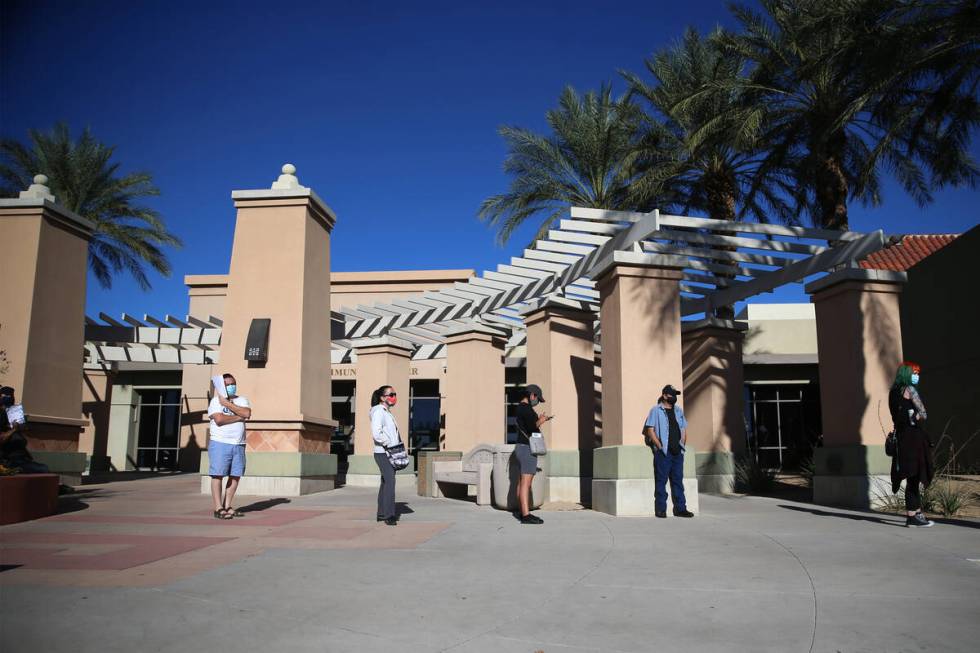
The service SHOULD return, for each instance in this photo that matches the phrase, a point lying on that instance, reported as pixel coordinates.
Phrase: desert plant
(751, 477)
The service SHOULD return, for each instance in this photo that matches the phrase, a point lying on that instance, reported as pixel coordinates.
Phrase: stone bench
(27, 496)
(475, 469)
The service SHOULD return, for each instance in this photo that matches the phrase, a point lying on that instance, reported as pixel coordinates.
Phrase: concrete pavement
(143, 566)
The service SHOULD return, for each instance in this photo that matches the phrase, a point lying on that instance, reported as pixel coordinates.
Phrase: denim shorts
(226, 459)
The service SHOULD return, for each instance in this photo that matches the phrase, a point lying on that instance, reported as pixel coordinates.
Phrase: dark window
(158, 428)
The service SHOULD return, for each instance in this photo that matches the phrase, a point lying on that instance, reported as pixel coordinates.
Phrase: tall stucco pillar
(561, 359)
(42, 328)
(96, 403)
(474, 388)
(859, 344)
(714, 399)
(280, 270)
(640, 323)
(380, 361)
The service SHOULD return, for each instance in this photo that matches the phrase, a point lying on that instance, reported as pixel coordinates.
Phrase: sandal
(233, 512)
(221, 514)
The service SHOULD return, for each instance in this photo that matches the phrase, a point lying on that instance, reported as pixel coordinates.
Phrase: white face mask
(915, 379)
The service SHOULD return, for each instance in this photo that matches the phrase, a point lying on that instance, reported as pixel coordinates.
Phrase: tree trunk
(721, 206)
(831, 185)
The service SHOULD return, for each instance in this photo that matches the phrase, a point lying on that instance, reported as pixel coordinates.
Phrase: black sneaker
(918, 521)
(661, 513)
(683, 513)
(391, 521)
(531, 519)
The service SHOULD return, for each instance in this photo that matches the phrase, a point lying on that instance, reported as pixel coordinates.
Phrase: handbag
(536, 442)
(891, 444)
(397, 456)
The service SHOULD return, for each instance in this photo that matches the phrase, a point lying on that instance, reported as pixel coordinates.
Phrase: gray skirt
(527, 462)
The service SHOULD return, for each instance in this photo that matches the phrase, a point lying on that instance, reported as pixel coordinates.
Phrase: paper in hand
(15, 414)
(218, 382)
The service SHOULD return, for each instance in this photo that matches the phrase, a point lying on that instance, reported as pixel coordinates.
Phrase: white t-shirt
(229, 433)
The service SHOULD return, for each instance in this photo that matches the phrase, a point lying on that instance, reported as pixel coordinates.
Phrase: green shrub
(751, 478)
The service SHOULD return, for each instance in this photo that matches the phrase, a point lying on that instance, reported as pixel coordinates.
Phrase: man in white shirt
(226, 446)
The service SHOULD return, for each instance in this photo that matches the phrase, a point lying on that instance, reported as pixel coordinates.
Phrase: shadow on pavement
(259, 506)
(897, 521)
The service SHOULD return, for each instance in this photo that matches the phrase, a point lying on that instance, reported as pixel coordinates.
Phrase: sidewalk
(143, 566)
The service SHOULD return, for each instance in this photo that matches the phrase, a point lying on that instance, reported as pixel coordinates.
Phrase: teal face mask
(534, 402)
(232, 389)
(915, 379)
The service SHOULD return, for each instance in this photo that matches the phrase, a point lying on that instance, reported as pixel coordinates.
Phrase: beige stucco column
(561, 359)
(714, 399)
(474, 388)
(859, 344)
(640, 323)
(45, 262)
(280, 270)
(96, 403)
(380, 361)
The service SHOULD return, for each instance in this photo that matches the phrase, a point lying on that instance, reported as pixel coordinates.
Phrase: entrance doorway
(158, 429)
(783, 421)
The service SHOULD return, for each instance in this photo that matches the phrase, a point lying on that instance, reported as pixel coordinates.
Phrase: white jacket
(384, 431)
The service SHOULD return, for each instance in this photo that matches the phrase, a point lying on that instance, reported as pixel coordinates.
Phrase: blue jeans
(669, 466)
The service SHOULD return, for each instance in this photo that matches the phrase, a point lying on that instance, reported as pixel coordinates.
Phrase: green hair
(903, 377)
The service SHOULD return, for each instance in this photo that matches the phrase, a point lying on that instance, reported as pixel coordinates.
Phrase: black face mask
(671, 401)
(7, 400)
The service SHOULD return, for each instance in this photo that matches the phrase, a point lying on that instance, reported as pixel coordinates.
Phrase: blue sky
(389, 111)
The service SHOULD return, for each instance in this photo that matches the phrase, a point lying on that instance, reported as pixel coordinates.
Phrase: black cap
(536, 389)
(670, 390)
(6, 390)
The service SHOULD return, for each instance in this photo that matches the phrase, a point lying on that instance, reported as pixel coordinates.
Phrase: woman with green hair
(912, 461)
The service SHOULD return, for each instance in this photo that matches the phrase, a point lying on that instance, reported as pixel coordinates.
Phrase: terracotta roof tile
(911, 249)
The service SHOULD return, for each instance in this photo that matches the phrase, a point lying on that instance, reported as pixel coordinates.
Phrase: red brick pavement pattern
(156, 531)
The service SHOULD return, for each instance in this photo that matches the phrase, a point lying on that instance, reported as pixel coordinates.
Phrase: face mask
(671, 401)
(8, 400)
(535, 402)
(231, 389)
(915, 379)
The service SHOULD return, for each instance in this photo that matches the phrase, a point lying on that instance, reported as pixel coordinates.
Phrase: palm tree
(702, 147)
(128, 236)
(857, 87)
(588, 160)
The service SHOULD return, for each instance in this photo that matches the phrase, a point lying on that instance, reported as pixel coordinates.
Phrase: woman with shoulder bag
(384, 431)
(528, 423)
(912, 461)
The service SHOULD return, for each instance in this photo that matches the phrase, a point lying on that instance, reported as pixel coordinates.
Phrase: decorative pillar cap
(856, 274)
(285, 187)
(639, 260)
(380, 342)
(38, 190)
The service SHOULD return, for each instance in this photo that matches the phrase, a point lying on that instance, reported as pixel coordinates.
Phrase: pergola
(722, 262)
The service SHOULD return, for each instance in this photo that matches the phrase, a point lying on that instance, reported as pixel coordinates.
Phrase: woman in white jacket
(385, 434)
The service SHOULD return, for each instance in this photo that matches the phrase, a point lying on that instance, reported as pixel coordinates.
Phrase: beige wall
(272, 282)
(560, 360)
(377, 366)
(780, 329)
(860, 346)
(713, 387)
(42, 328)
(473, 394)
(350, 289)
(641, 346)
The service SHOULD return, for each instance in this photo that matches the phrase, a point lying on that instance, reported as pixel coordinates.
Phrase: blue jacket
(658, 420)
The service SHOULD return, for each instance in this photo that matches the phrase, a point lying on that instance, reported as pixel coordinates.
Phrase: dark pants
(913, 499)
(386, 493)
(667, 466)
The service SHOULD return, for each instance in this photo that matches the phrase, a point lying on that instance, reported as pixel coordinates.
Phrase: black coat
(914, 455)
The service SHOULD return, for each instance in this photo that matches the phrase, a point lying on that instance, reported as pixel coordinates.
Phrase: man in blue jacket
(666, 431)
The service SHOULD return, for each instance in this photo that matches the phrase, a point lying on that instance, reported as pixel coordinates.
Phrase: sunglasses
(390, 394)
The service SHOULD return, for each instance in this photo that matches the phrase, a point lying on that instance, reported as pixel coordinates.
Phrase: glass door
(158, 429)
